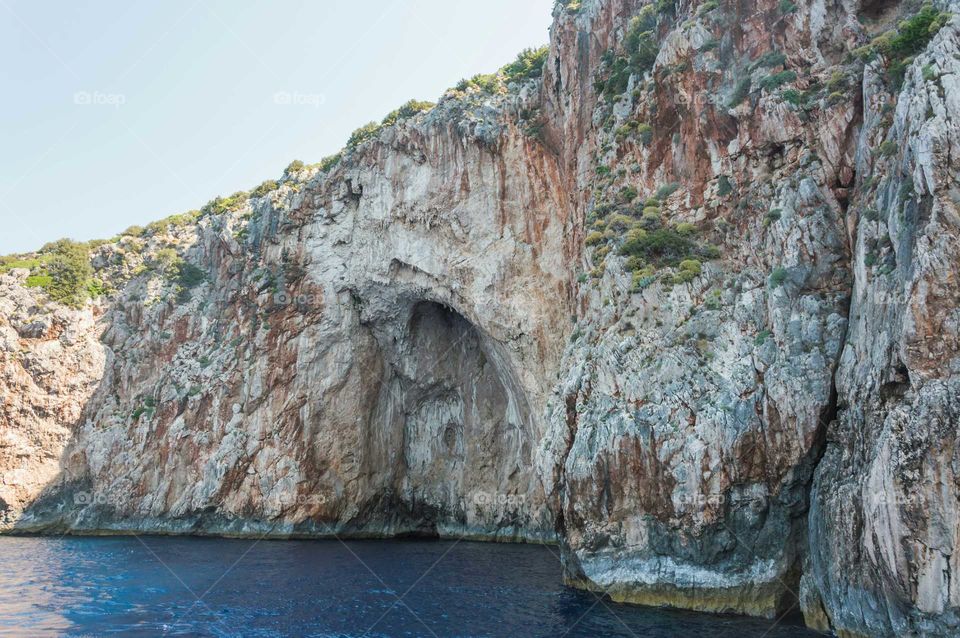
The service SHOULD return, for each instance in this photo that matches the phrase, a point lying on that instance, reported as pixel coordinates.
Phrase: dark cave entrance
(458, 423)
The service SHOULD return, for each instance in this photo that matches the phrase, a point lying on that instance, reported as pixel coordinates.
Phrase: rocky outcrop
(683, 305)
(884, 524)
(370, 354)
(51, 362)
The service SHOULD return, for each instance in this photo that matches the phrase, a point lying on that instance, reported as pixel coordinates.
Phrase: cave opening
(459, 428)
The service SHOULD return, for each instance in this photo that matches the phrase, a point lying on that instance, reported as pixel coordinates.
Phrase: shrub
(740, 92)
(911, 37)
(692, 266)
(10, 262)
(786, 7)
(888, 148)
(363, 134)
(667, 190)
(265, 188)
(724, 186)
(222, 205)
(70, 272)
(645, 132)
(528, 65)
(484, 83)
(408, 110)
(39, 281)
(778, 277)
(189, 276)
(775, 81)
(762, 337)
(294, 167)
(707, 7)
(164, 260)
(792, 96)
(641, 48)
(594, 238)
(329, 162)
(97, 288)
(664, 246)
(769, 60)
(620, 223)
(686, 229)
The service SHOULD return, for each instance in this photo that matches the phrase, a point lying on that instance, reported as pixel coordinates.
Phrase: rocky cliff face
(684, 304)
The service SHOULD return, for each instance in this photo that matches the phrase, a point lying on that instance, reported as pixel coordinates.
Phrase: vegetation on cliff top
(62, 269)
(899, 46)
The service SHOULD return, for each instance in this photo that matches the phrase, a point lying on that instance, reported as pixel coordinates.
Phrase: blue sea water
(150, 586)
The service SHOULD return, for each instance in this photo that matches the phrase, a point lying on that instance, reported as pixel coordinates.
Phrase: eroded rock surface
(686, 305)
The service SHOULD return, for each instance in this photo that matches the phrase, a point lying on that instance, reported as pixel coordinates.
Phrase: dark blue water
(209, 587)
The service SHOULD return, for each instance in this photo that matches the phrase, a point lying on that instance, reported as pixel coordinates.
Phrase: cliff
(682, 301)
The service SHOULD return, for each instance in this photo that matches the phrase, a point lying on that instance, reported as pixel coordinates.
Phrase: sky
(120, 113)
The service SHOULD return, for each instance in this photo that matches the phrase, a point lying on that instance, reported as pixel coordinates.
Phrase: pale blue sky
(119, 113)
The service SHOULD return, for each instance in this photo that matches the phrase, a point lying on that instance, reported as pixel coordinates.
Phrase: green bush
(528, 65)
(910, 38)
(39, 281)
(888, 148)
(363, 134)
(189, 276)
(488, 83)
(641, 47)
(329, 162)
(740, 92)
(707, 7)
(408, 110)
(724, 186)
(775, 81)
(778, 277)
(688, 270)
(667, 190)
(265, 188)
(663, 246)
(786, 7)
(792, 96)
(645, 131)
(691, 265)
(594, 238)
(769, 60)
(10, 262)
(294, 167)
(69, 271)
(222, 205)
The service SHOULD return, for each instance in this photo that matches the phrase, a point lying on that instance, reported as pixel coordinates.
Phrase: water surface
(149, 586)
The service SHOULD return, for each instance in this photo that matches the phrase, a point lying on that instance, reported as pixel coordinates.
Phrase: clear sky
(119, 113)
